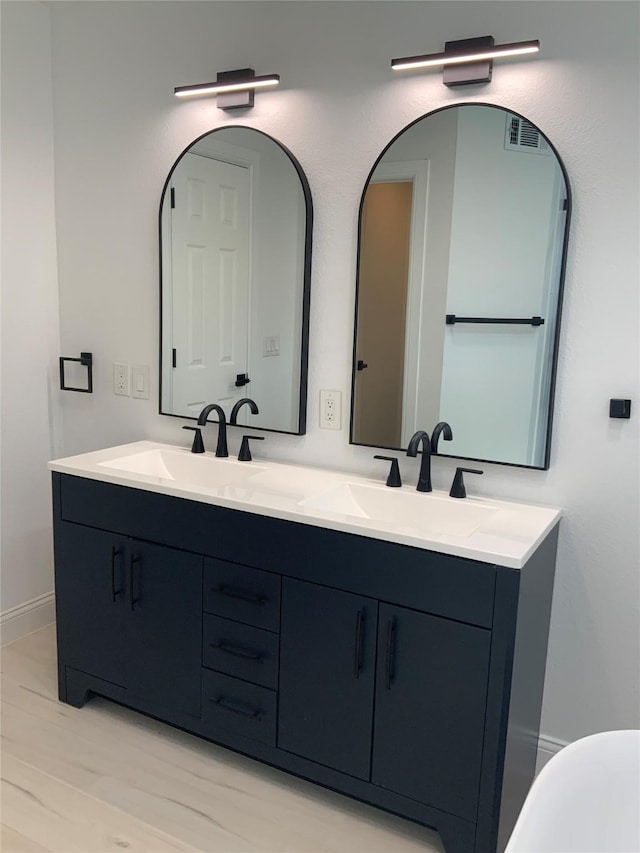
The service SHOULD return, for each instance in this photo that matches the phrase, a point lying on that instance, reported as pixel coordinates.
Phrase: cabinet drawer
(242, 593)
(231, 705)
(241, 650)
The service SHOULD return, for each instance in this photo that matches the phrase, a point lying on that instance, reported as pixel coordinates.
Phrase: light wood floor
(104, 778)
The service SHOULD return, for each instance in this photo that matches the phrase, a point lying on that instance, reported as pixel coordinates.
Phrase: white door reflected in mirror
(235, 227)
(209, 284)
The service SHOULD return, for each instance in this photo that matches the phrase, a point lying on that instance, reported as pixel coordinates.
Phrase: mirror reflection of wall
(235, 234)
(484, 240)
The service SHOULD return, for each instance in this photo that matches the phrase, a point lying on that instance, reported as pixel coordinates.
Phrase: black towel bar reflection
(86, 360)
(452, 319)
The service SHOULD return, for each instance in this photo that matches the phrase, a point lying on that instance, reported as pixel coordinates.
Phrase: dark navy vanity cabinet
(123, 618)
(431, 695)
(327, 676)
(408, 679)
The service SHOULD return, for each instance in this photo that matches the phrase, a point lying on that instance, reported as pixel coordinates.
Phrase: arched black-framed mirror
(236, 221)
(462, 244)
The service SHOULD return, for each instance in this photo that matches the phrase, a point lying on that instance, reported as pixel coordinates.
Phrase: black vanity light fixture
(466, 60)
(234, 89)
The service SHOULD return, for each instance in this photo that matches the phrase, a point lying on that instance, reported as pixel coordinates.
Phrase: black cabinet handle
(236, 652)
(115, 552)
(221, 702)
(238, 594)
(132, 566)
(391, 652)
(358, 657)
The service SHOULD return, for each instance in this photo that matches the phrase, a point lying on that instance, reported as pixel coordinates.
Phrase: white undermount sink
(178, 466)
(426, 512)
(477, 528)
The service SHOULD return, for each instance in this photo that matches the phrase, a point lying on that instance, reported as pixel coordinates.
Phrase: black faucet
(221, 449)
(237, 406)
(424, 480)
(441, 429)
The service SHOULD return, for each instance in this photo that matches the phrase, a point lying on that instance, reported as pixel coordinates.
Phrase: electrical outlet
(330, 410)
(140, 381)
(122, 380)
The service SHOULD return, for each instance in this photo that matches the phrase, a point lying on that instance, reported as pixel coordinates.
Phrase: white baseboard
(547, 748)
(19, 621)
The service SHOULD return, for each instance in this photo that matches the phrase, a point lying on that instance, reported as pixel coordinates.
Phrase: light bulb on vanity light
(477, 54)
(234, 89)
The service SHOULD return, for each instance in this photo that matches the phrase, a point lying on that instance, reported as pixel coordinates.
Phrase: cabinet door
(90, 601)
(429, 710)
(164, 602)
(327, 654)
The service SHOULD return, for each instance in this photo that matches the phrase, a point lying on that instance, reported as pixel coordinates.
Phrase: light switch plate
(140, 381)
(271, 346)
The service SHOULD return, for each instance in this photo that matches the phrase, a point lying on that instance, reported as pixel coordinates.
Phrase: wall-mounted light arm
(234, 89)
(466, 60)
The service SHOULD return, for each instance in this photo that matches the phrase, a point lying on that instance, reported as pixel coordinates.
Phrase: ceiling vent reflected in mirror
(521, 135)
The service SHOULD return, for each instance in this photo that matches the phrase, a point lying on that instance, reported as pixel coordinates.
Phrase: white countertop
(481, 529)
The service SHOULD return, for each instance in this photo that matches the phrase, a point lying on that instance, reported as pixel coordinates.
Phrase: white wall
(29, 319)
(118, 129)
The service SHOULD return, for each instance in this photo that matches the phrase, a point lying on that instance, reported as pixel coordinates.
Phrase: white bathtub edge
(548, 747)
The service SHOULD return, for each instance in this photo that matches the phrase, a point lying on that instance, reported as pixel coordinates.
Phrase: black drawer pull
(115, 552)
(234, 650)
(238, 594)
(358, 658)
(391, 651)
(132, 566)
(221, 702)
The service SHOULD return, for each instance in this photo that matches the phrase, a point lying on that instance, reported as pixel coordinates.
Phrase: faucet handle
(393, 479)
(198, 443)
(245, 452)
(457, 487)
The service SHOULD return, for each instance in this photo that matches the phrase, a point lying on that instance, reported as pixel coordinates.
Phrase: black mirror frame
(563, 263)
(306, 285)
